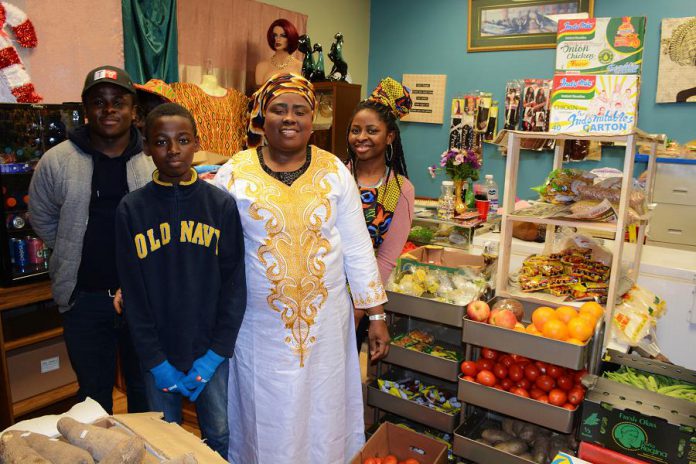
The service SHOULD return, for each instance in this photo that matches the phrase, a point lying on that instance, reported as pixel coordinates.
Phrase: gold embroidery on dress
(294, 249)
(376, 295)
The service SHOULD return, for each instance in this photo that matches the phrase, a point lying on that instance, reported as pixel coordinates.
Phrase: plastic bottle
(445, 205)
(491, 189)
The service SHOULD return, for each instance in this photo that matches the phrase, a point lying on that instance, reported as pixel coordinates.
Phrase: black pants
(93, 333)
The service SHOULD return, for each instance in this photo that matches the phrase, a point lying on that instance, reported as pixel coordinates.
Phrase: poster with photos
(513, 99)
(535, 105)
(676, 73)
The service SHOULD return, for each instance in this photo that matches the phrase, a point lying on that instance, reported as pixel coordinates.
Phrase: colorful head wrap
(159, 88)
(273, 87)
(394, 96)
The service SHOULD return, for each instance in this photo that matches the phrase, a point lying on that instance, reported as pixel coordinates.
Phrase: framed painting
(518, 24)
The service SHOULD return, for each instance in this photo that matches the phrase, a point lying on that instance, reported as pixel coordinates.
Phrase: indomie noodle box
(600, 45)
(588, 104)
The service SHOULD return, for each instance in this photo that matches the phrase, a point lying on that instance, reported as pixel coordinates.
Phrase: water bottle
(445, 205)
(491, 189)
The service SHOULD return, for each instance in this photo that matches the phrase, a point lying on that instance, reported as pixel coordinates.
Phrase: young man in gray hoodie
(74, 192)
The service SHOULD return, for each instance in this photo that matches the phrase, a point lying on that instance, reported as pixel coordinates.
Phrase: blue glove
(202, 371)
(197, 392)
(168, 378)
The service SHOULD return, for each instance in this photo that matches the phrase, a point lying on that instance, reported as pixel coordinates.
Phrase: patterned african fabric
(294, 384)
(221, 121)
(277, 85)
(394, 96)
(379, 204)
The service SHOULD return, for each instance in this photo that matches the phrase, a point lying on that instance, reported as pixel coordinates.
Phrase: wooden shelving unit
(20, 330)
(342, 98)
(508, 205)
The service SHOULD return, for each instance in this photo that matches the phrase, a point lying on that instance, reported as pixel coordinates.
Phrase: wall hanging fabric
(150, 39)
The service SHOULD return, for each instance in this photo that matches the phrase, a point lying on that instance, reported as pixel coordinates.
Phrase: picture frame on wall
(495, 25)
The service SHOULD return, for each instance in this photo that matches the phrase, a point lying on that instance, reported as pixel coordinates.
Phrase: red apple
(504, 318)
(478, 311)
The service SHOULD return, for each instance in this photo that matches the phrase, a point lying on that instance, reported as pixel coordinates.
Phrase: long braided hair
(397, 163)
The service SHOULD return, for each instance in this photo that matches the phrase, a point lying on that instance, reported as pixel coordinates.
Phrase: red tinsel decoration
(26, 94)
(26, 35)
(2, 15)
(8, 57)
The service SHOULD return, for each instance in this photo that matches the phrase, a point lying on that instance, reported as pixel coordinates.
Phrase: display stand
(535, 347)
(444, 321)
(29, 321)
(336, 102)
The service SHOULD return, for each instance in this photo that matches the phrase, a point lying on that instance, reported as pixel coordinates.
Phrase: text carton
(600, 45)
(594, 104)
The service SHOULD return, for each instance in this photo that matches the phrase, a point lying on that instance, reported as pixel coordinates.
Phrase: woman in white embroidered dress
(294, 386)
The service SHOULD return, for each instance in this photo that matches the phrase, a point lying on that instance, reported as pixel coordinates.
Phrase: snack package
(562, 185)
(635, 319)
(588, 104)
(600, 45)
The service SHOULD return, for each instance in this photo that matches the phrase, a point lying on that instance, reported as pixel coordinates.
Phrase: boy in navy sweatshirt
(180, 257)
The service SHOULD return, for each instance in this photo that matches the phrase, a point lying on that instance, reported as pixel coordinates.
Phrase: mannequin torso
(279, 62)
(209, 84)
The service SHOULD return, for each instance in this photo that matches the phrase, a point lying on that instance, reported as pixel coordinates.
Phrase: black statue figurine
(339, 71)
(318, 74)
(304, 45)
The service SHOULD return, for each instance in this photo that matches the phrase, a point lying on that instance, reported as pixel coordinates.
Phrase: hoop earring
(390, 153)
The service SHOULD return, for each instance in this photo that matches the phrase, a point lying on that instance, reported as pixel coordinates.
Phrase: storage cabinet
(335, 104)
(674, 219)
(35, 371)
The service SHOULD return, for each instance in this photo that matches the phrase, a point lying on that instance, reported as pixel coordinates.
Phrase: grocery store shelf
(528, 345)
(34, 338)
(593, 225)
(544, 414)
(411, 410)
(423, 308)
(44, 399)
(423, 362)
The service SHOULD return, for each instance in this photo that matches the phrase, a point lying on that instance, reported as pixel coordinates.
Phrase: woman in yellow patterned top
(294, 386)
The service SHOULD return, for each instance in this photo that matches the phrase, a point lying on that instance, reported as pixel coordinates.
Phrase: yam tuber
(130, 451)
(183, 459)
(56, 451)
(14, 450)
(98, 441)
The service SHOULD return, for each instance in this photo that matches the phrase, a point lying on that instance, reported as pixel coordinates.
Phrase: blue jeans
(93, 334)
(211, 407)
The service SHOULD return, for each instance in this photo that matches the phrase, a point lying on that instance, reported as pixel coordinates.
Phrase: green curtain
(150, 39)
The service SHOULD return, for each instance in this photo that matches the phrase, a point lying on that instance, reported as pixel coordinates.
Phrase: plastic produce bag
(635, 319)
(563, 185)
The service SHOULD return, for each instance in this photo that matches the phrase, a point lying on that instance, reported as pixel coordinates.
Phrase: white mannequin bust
(210, 85)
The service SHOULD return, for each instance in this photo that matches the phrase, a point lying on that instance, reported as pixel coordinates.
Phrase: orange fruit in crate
(531, 329)
(541, 315)
(580, 328)
(556, 329)
(589, 317)
(594, 308)
(566, 313)
(575, 341)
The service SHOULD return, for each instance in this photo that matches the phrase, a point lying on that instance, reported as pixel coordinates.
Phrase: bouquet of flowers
(458, 164)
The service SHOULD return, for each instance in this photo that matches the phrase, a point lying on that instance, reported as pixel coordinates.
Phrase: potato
(98, 441)
(129, 451)
(528, 433)
(495, 436)
(56, 451)
(14, 450)
(514, 446)
(509, 426)
(526, 456)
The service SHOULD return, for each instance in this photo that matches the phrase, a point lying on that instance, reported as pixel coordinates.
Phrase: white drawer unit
(673, 223)
(675, 183)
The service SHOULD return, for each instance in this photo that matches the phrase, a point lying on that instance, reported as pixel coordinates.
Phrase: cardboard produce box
(638, 423)
(600, 45)
(437, 257)
(594, 104)
(402, 443)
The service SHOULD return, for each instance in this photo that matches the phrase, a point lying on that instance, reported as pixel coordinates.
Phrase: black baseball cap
(108, 75)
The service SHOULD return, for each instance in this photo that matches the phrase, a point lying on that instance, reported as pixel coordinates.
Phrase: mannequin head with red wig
(289, 32)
